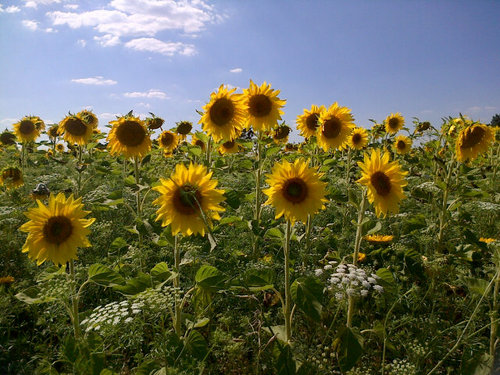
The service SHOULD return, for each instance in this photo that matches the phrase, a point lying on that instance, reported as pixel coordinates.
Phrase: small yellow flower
(394, 123)
(487, 240)
(307, 123)
(402, 144)
(379, 238)
(361, 257)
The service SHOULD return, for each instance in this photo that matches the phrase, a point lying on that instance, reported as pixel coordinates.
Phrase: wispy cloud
(29, 24)
(35, 3)
(8, 122)
(97, 80)
(236, 70)
(9, 9)
(158, 46)
(81, 42)
(107, 40)
(151, 94)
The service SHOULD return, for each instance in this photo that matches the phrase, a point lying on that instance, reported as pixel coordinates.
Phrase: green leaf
(70, 349)
(103, 275)
(285, 365)
(475, 285)
(481, 364)
(197, 345)
(135, 285)
(259, 278)
(307, 293)
(195, 150)
(233, 198)
(32, 296)
(349, 348)
(387, 280)
(147, 367)
(274, 234)
(118, 243)
(246, 164)
(160, 272)
(375, 229)
(210, 278)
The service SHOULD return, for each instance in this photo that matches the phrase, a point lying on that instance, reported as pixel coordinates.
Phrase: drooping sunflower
(224, 116)
(57, 230)
(394, 123)
(89, 118)
(384, 180)
(186, 197)
(154, 122)
(335, 126)
(184, 127)
(295, 190)
(75, 130)
(402, 144)
(280, 134)
(7, 138)
(307, 122)
(59, 147)
(129, 137)
(28, 129)
(379, 238)
(358, 139)
(195, 141)
(11, 177)
(53, 132)
(229, 147)
(473, 140)
(264, 106)
(168, 141)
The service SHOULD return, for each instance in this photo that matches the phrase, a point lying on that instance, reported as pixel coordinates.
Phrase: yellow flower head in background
(335, 127)
(89, 118)
(358, 139)
(394, 123)
(75, 130)
(402, 144)
(154, 122)
(187, 197)
(195, 141)
(129, 136)
(280, 134)
(264, 106)
(28, 129)
(7, 138)
(379, 238)
(384, 180)
(11, 177)
(184, 127)
(168, 141)
(295, 190)
(53, 131)
(224, 116)
(473, 140)
(229, 147)
(307, 122)
(56, 231)
(487, 240)
(59, 147)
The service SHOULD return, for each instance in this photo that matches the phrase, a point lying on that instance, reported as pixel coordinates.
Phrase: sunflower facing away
(11, 177)
(394, 123)
(7, 138)
(264, 106)
(89, 118)
(57, 230)
(335, 126)
(379, 238)
(168, 141)
(129, 136)
(473, 141)
(295, 190)
(402, 144)
(195, 141)
(224, 116)
(184, 127)
(53, 131)
(280, 134)
(358, 139)
(187, 196)
(307, 123)
(75, 130)
(384, 180)
(229, 147)
(29, 128)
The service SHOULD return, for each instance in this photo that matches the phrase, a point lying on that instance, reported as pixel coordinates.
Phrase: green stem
(74, 301)
(138, 193)
(494, 315)
(79, 170)
(286, 308)
(208, 155)
(308, 238)
(444, 206)
(258, 176)
(177, 279)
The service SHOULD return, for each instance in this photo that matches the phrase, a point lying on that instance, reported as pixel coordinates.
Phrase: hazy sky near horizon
(425, 59)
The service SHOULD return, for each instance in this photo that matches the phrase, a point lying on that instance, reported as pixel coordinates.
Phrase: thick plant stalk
(258, 176)
(138, 193)
(287, 307)
(444, 207)
(177, 279)
(74, 301)
(494, 313)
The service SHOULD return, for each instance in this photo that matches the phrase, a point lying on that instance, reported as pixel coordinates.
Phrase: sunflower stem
(74, 301)
(79, 170)
(286, 308)
(208, 155)
(444, 206)
(308, 238)
(177, 262)
(138, 192)
(258, 173)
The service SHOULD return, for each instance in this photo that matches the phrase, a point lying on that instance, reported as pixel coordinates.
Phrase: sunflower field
(154, 248)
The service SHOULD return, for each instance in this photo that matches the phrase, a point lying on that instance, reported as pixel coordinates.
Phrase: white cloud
(8, 121)
(164, 48)
(151, 94)
(10, 9)
(97, 80)
(146, 105)
(50, 30)
(107, 40)
(81, 42)
(106, 116)
(236, 70)
(32, 25)
(35, 3)
(71, 6)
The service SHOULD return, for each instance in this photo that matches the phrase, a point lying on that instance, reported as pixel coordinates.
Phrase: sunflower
(394, 123)
(154, 122)
(335, 126)
(307, 122)
(6, 280)
(57, 230)
(29, 128)
(75, 130)
(402, 144)
(7, 138)
(129, 136)
(187, 198)
(195, 141)
(59, 147)
(229, 147)
(385, 181)
(358, 139)
(168, 141)
(377, 131)
(280, 134)
(264, 106)
(295, 190)
(53, 131)
(184, 127)
(473, 141)
(487, 240)
(379, 238)
(224, 116)
(361, 257)
(89, 118)
(11, 177)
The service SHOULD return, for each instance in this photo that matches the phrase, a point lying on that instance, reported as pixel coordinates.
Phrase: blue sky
(425, 59)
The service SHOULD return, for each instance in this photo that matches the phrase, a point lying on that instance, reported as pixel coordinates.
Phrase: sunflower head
(154, 122)
(53, 131)
(229, 147)
(394, 123)
(291, 147)
(295, 190)
(168, 141)
(358, 139)
(379, 238)
(307, 123)
(263, 106)
(384, 181)
(335, 127)
(423, 126)
(129, 137)
(195, 141)
(187, 199)
(280, 134)
(11, 177)
(7, 138)
(28, 129)
(59, 147)
(487, 240)
(184, 127)
(402, 144)
(89, 118)
(75, 130)
(473, 140)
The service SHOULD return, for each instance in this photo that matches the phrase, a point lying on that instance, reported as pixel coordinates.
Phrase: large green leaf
(307, 293)
(210, 278)
(285, 363)
(259, 278)
(349, 348)
(105, 276)
(160, 272)
(135, 285)
(387, 280)
(197, 345)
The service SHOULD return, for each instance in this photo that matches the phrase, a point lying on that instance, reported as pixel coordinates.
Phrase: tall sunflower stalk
(287, 312)
(443, 213)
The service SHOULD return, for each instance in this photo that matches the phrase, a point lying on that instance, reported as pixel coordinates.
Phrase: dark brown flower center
(53, 131)
(155, 123)
(281, 132)
(75, 126)
(200, 143)
(228, 145)
(222, 112)
(356, 138)
(332, 127)
(26, 127)
(57, 229)
(381, 183)
(166, 139)
(260, 105)
(394, 123)
(472, 137)
(130, 133)
(11, 174)
(7, 138)
(401, 145)
(312, 121)
(184, 127)
(187, 199)
(295, 190)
